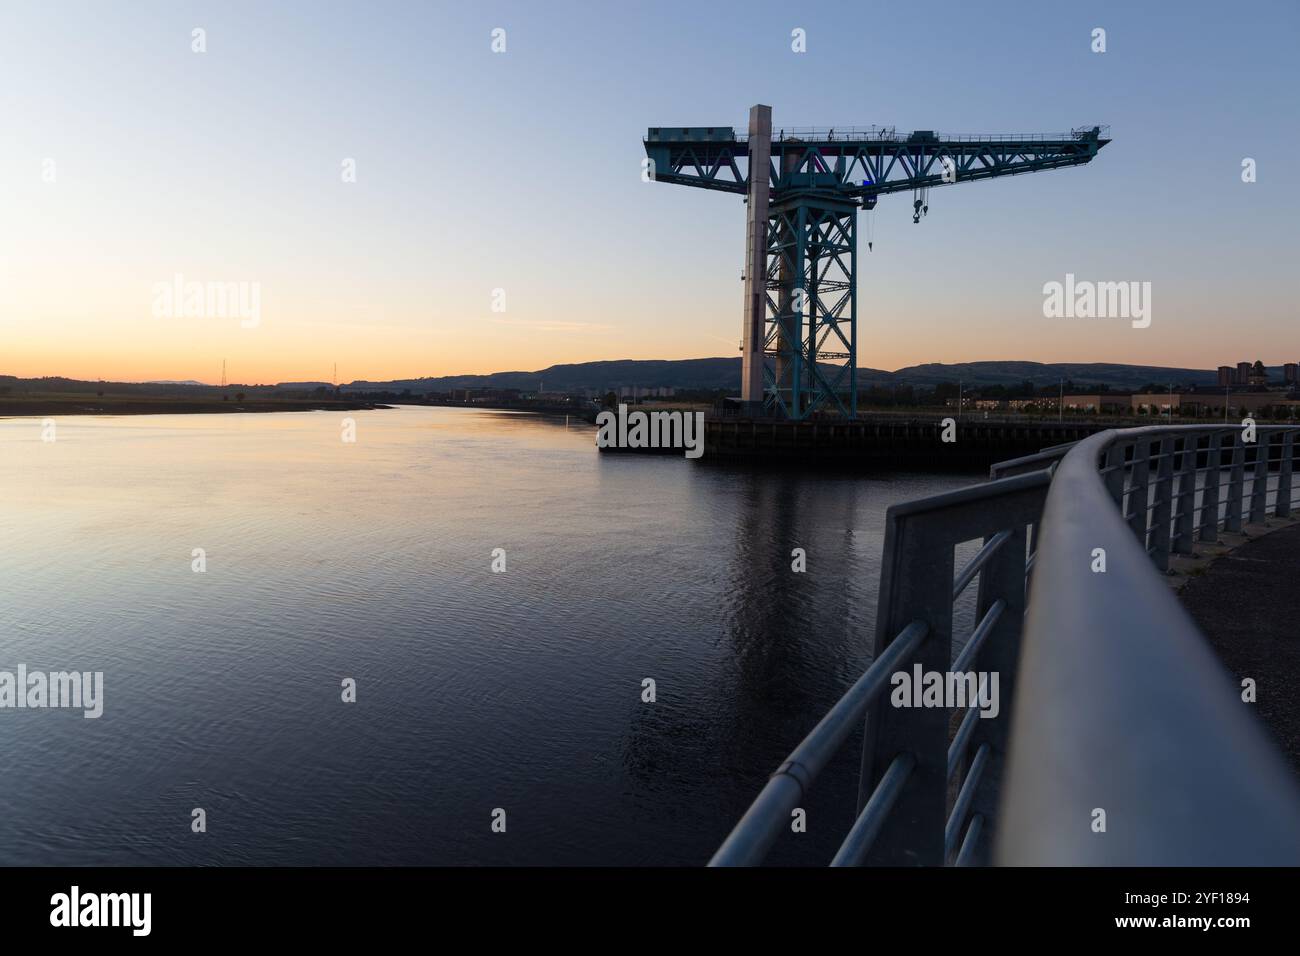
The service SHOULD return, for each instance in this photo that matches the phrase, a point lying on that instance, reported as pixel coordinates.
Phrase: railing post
(1185, 523)
(1003, 578)
(1232, 511)
(1282, 507)
(1259, 485)
(915, 584)
(1139, 494)
(1115, 474)
(1210, 489)
(1160, 521)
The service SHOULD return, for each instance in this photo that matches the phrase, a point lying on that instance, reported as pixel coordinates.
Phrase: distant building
(635, 392)
(1161, 402)
(1226, 375)
(1258, 376)
(1243, 374)
(1210, 404)
(1289, 373)
(485, 395)
(1100, 403)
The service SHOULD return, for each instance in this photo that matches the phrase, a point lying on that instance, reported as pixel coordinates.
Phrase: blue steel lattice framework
(799, 347)
(811, 315)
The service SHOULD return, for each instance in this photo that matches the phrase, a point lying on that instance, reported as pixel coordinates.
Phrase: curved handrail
(1125, 741)
(1122, 707)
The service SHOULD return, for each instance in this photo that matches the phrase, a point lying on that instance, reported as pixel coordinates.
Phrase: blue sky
(520, 171)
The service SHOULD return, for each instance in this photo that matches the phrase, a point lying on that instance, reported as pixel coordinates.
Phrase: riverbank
(45, 406)
(1246, 602)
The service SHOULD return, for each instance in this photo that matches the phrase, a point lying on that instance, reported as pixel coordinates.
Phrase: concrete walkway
(1247, 602)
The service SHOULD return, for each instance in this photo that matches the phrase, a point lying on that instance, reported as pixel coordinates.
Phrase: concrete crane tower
(799, 340)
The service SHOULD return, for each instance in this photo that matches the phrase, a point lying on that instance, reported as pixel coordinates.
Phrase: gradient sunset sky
(521, 171)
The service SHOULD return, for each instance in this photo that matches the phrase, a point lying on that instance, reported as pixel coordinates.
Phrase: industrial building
(1202, 404)
(1101, 403)
(1210, 404)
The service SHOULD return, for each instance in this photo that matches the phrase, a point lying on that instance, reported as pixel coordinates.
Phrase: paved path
(1248, 603)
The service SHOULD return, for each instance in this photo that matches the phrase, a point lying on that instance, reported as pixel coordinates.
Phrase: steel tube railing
(967, 574)
(1129, 744)
(982, 630)
(1183, 537)
(1115, 717)
(1030, 463)
(769, 813)
(966, 856)
(1210, 496)
(960, 740)
(999, 513)
(873, 816)
(1283, 507)
(962, 806)
(1232, 515)
(1259, 483)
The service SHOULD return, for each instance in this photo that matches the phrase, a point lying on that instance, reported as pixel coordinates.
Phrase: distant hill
(705, 373)
(725, 373)
(681, 373)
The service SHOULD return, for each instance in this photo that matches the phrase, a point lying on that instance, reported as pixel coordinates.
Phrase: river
(372, 560)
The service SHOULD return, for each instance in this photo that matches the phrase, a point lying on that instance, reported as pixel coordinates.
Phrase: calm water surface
(476, 690)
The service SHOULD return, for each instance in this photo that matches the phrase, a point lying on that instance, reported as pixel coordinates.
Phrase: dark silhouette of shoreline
(40, 406)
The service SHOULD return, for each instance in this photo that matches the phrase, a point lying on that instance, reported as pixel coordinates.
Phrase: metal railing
(1119, 738)
(890, 134)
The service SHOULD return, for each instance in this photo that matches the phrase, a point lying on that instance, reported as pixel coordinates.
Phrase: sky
(128, 159)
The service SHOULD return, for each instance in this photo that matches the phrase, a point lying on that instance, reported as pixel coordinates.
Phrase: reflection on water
(476, 690)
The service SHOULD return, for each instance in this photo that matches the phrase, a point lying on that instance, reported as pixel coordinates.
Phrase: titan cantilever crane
(801, 231)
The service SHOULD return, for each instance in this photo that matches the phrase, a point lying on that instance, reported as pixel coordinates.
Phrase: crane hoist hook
(920, 203)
